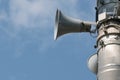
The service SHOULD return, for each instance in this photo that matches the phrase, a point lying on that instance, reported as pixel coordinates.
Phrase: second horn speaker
(65, 24)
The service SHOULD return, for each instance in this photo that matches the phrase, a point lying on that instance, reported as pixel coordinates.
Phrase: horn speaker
(93, 63)
(65, 24)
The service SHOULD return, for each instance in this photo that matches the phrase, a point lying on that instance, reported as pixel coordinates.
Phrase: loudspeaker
(93, 63)
(65, 24)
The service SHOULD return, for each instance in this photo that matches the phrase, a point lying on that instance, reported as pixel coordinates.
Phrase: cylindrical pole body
(108, 42)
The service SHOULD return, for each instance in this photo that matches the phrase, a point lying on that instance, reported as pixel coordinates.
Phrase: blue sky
(27, 47)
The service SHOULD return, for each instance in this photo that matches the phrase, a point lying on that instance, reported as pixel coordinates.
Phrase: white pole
(108, 42)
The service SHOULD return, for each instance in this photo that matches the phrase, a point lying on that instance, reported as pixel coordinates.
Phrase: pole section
(108, 42)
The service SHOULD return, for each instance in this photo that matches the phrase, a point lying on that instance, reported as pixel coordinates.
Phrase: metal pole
(108, 40)
(109, 50)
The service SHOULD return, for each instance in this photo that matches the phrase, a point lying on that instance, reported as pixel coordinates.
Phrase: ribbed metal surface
(109, 54)
(109, 63)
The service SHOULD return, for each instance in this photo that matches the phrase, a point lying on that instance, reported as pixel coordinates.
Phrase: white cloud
(24, 12)
(31, 13)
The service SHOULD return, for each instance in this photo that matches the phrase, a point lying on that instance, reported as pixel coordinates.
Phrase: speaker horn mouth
(58, 12)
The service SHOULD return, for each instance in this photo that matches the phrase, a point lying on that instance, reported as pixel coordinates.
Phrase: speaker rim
(58, 12)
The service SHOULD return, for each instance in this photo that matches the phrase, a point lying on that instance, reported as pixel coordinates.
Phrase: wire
(93, 32)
